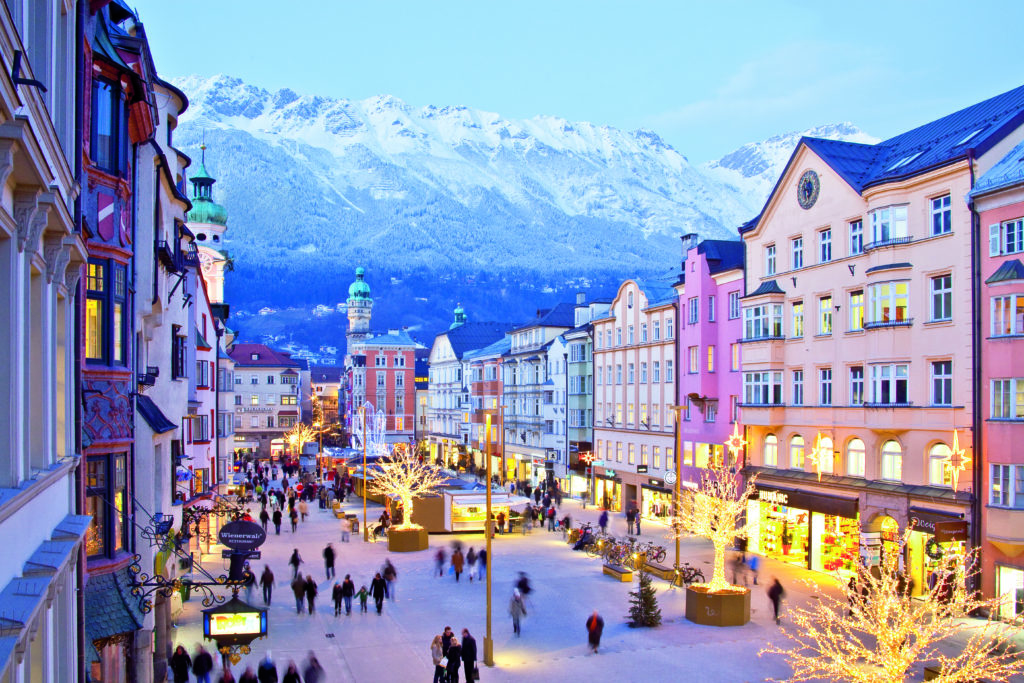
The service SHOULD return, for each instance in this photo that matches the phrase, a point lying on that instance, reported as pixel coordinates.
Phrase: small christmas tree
(643, 603)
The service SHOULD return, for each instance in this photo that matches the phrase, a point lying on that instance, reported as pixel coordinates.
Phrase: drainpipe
(82, 16)
(976, 407)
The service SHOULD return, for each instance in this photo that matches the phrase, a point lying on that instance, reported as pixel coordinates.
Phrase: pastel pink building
(710, 326)
(857, 355)
(999, 201)
(634, 389)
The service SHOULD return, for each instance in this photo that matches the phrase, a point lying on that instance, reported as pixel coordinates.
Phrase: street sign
(598, 462)
(242, 535)
(250, 555)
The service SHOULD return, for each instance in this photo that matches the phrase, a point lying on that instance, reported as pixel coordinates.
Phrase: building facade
(580, 340)
(388, 379)
(998, 198)
(42, 255)
(266, 399)
(857, 350)
(709, 382)
(485, 395)
(634, 391)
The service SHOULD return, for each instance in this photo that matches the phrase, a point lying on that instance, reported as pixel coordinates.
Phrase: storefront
(934, 535)
(655, 500)
(1010, 591)
(811, 530)
(607, 490)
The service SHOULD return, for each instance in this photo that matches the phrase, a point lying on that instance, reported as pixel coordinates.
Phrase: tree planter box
(407, 540)
(717, 609)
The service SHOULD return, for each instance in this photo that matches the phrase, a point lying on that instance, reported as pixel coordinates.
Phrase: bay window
(1007, 315)
(106, 502)
(1007, 399)
(1006, 488)
(889, 302)
(889, 384)
(888, 224)
(762, 322)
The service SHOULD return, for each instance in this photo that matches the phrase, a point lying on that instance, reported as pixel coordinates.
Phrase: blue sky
(706, 76)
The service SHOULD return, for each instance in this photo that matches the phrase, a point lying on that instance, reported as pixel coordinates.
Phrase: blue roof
(496, 349)
(658, 291)
(474, 335)
(722, 255)
(1008, 171)
(1010, 271)
(766, 287)
(392, 338)
(562, 315)
(973, 130)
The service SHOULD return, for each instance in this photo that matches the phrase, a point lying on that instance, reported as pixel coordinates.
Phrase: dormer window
(254, 356)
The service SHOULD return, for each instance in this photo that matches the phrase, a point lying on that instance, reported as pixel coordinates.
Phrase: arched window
(892, 461)
(629, 300)
(939, 474)
(771, 451)
(796, 452)
(855, 458)
(827, 462)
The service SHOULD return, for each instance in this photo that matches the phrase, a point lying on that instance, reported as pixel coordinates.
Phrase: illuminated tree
(299, 435)
(875, 633)
(716, 510)
(403, 477)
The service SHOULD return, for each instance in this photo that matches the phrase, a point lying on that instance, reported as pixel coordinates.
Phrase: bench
(337, 510)
(661, 571)
(618, 572)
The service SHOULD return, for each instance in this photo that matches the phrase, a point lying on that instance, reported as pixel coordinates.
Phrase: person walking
(348, 589)
(775, 594)
(264, 518)
(469, 655)
(180, 664)
(636, 520)
(248, 676)
(481, 562)
(457, 563)
(303, 509)
(294, 517)
(313, 672)
(517, 609)
(437, 655)
(390, 575)
(329, 561)
(299, 590)
(277, 521)
(292, 674)
(501, 522)
(602, 521)
(470, 563)
(295, 561)
(439, 561)
(363, 595)
(346, 530)
(551, 518)
(311, 592)
(336, 596)
(630, 521)
(267, 582)
(753, 564)
(595, 627)
(266, 672)
(202, 665)
(454, 660)
(378, 589)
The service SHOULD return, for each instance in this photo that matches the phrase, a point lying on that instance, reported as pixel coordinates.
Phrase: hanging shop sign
(945, 526)
(805, 500)
(234, 623)
(242, 535)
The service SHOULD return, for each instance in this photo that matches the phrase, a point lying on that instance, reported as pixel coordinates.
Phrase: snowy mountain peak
(753, 169)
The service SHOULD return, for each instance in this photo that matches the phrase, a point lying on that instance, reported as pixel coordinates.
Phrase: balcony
(1004, 525)
(885, 324)
(165, 254)
(891, 242)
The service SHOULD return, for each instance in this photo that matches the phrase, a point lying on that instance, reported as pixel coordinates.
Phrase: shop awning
(807, 500)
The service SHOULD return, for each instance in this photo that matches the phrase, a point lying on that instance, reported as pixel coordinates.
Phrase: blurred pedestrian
(248, 676)
(390, 575)
(226, 676)
(346, 529)
(517, 610)
(348, 589)
(267, 670)
(630, 520)
(294, 517)
(753, 565)
(267, 581)
(329, 561)
(299, 590)
(181, 665)
(295, 561)
(313, 672)
(775, 594)
(602, 521)
(470, 562)
(303, 509)
(378, 589)
(277, 521)
(439, 557)
(264, 518)
(292, 674)
(595, 627)
(311, 592)
(637, 518)
(336, 596)
(457, 563)
(481, 563)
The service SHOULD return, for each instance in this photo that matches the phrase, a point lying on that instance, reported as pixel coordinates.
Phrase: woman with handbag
(437, 656)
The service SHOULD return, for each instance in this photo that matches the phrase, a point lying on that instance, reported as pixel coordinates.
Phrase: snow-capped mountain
(752, 170)
(446, 204)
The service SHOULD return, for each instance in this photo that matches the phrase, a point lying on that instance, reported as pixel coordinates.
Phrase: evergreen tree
(643, 603)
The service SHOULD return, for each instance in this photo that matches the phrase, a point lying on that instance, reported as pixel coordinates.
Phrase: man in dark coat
(277, 521)
(378, 590)
(267, 581)
(181, 665)
(202, 665)
(267, 670)
(595, 626)
(329, 561)
(299, 590)
(311, 593)
(468, 654)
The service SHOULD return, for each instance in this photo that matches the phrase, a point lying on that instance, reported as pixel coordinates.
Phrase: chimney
(689, 242)
(581, 298)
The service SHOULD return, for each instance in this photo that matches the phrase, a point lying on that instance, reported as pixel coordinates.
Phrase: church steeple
(204, 209)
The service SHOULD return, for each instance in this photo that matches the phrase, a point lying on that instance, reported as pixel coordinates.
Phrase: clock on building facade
(807, 189)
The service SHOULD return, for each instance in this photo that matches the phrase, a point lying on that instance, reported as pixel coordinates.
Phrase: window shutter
(993, 239)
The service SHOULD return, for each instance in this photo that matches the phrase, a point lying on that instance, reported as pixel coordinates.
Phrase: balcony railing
(879, 325)
(891, 242)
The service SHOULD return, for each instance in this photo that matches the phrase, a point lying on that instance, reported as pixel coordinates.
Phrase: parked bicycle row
(628, 552)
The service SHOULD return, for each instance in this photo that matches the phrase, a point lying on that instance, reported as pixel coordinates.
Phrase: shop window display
(656, 504)
(784, 533)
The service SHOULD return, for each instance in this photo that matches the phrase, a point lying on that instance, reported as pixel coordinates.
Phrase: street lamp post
(488, 532)
(366, 476)
(675, 485)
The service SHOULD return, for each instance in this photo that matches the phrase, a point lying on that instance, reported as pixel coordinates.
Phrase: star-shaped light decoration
(587, 457)
(818, 455)
(735, 443)
(957, 460)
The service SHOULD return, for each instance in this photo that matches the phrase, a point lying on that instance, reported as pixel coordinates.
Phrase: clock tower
(208, 221)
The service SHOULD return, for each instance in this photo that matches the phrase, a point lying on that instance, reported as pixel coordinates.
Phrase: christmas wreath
(933, 549)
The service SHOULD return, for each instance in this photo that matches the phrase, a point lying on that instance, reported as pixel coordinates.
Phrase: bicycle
(689, 574)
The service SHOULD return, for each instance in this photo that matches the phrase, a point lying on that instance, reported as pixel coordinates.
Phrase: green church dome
(460, 317)
(359, 289)
(204, 209)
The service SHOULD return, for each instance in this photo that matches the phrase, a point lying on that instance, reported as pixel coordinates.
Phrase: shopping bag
(476, 673)
(443, 663)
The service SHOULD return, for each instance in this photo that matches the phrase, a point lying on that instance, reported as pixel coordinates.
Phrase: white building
(40, 265)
